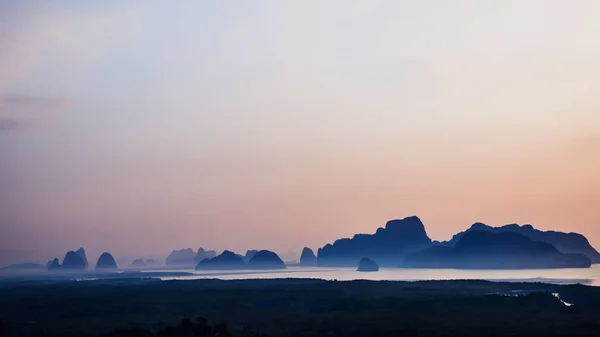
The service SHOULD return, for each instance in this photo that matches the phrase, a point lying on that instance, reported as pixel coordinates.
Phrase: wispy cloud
(36, 33)
(17, 110)
(7, 125)
(27, 100)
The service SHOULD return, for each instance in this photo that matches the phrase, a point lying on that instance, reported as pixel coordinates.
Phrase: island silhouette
(401, 243)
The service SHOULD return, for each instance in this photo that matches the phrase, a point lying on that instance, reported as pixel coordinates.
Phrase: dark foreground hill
(296, 307)
(495, 250)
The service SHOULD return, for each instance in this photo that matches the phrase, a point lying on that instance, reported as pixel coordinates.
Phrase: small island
(106, 262)
(367, 265)
(266, 259)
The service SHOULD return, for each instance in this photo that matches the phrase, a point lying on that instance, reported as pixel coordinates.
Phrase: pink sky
(139, 128)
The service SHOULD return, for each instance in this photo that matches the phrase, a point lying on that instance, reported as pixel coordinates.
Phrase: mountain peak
(479, 226)
(408, 221)
(388, 245)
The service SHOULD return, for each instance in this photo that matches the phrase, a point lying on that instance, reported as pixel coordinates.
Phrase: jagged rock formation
(569, 243)
(266, 259)
(249, 255)
(495, 250)
(367, 265)
(106, 261)
(53, 265)
(187, 258)
(388, 245)
(227, 260)
(138, 263)
(204, 254)
(73, 261)
(81, 253)
(181, 258)
(308, 257)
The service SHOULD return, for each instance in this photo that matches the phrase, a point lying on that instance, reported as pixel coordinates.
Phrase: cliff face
(308, 257)
(81, 253)
(388, 246)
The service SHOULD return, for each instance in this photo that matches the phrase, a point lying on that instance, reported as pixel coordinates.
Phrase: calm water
(590, 276)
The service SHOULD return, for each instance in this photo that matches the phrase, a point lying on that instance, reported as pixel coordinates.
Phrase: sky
(139, 127)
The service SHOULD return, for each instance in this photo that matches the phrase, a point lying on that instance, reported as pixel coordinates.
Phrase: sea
(587, 276)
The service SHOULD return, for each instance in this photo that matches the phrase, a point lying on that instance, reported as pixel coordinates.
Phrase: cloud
(26, 100)
(7, 125)
(41, 38)
(18, 110)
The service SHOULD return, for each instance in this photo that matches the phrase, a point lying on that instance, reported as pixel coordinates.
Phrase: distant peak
(228, 252)
(411, 220)
(479, 226)
(512, 226)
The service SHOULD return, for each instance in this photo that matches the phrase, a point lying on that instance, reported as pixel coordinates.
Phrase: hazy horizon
(141, 127)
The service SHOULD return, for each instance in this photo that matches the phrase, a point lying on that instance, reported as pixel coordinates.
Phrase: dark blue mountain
(73, 261)
(388, 245)
(367, 265)
(226, 261)
(569, 243)
(106, 262)
(308, 257)
(495, 250)
(81, 253)
(265, 259)
(249, 255)
(53, 265)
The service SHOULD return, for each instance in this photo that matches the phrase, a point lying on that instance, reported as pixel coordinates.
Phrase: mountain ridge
(568, 243)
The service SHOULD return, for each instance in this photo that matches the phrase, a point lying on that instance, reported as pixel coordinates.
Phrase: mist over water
(588, 276)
